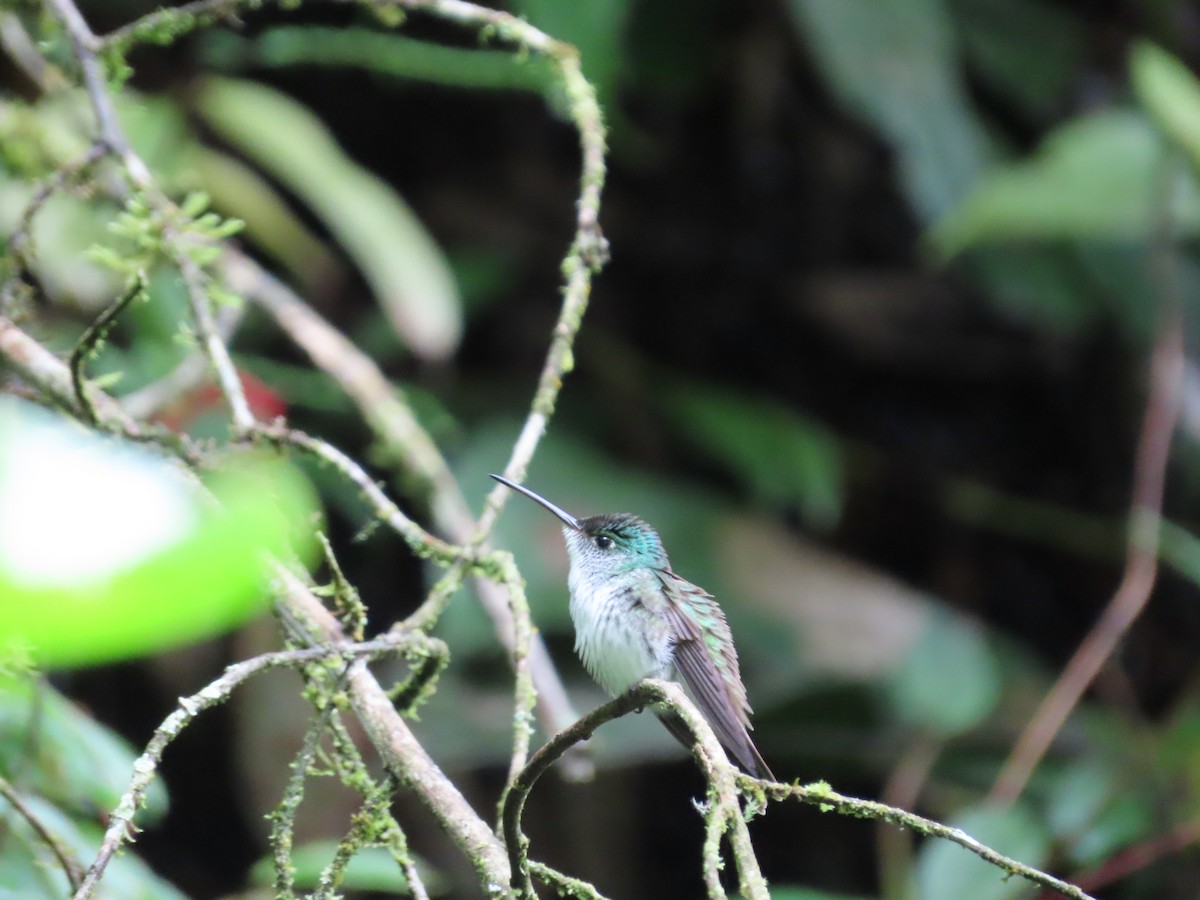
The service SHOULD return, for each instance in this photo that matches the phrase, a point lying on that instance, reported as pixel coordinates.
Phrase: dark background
(960, 426)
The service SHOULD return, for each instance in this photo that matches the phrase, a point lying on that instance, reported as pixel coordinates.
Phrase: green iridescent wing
(707, 661)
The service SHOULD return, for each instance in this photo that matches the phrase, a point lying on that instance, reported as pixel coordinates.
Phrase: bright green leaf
(107, 552)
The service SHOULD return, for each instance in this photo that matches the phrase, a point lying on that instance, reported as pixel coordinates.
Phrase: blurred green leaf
(1091, 809)
(895, 65)
(1099, 177)
(1040, 284)
(158, 131)
(371, 869)
(64, 229)
(949, 682)
(597, 29)
(385, 54)
(241, 191)
(1171, 93)
(51, 747)
(29, 869)
(405, 267)
(1028, 51)
(946, 871)
(95, 533)
(782, 456)
(792, 892)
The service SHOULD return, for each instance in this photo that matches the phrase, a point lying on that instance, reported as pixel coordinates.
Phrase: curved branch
(724, 811)
(92, 336)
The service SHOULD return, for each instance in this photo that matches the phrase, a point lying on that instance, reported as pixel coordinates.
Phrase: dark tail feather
(746, 755)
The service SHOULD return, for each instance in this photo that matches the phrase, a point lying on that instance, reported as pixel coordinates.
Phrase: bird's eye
(603, 541)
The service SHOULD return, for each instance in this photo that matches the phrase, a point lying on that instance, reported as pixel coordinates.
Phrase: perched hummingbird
(635, 618)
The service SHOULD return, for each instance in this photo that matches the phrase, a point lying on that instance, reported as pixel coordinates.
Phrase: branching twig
(395, 425)
(391, 737)
(403, 755)
(121, 827)
(48, 373)
(85, 47)
(283, 817)
(504, 600)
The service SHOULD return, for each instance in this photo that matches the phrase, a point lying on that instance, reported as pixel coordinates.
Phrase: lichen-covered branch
(724, 812)
(121, 821)
(822, 796)
(399, 749)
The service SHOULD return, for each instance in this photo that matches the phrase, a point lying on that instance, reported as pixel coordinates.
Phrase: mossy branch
(121, 826)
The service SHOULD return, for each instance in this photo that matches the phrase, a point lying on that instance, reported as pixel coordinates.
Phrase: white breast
(611, 637)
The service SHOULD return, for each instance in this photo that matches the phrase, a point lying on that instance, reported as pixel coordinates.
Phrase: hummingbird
(635, 618)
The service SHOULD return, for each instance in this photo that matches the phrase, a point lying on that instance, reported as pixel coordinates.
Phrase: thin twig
(195, 280)
(66, 859)
(393, 422)
(146, 401)
(84, 48)
(283, 817)
(93, 335)
(1167, 364)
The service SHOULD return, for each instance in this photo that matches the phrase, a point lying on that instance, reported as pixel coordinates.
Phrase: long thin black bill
(537, 498)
